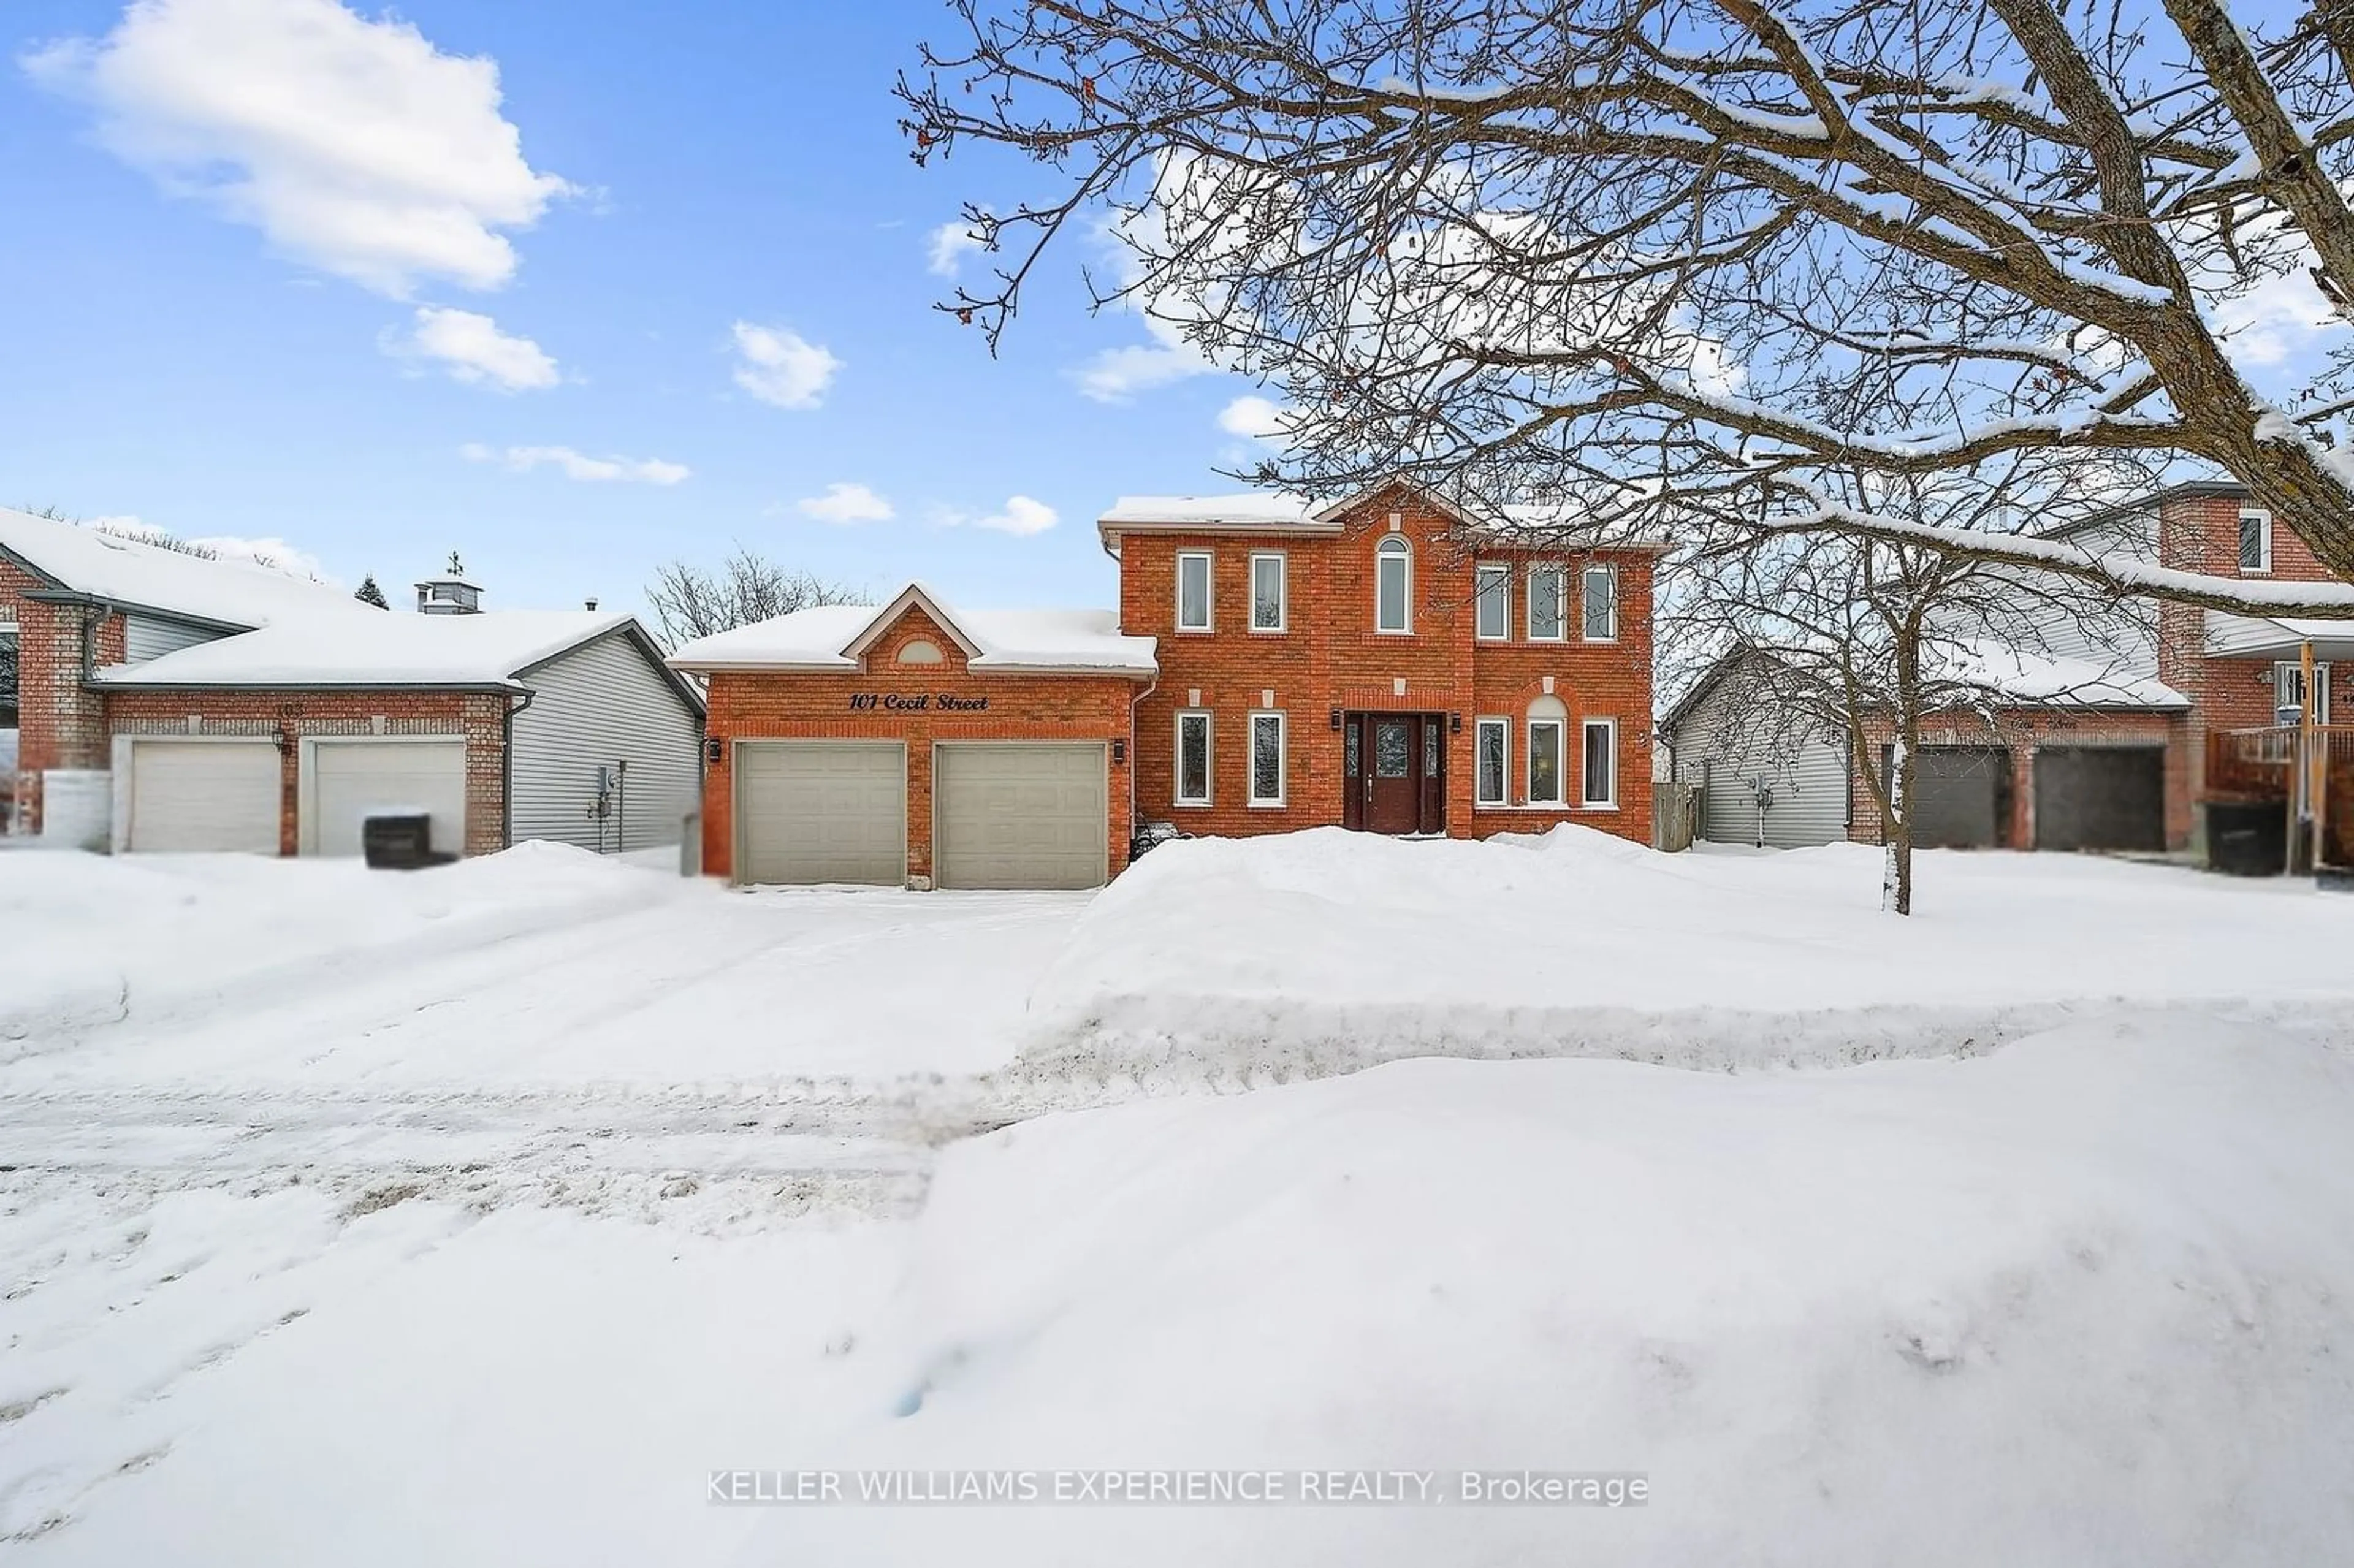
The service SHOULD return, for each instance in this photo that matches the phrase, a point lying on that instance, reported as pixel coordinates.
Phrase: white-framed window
(1597, 602)
(1192, 771)
(1544, 762)
(1266, 758)
(1601, 762)
(1393, 586)
(1193, 590)
(1268, 608)
(2255, 540)
(2288, 692)
(1548, 604)
(1491, 740)
(1494, 601)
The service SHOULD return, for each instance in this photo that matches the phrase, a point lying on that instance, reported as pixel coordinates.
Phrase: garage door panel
(2100, 798)
(205, 796)
(353, 780)
(1961, 796)
(1020, 816)
(819, 812)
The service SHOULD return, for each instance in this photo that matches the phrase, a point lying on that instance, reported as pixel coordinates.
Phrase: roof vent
(588, 604)
(450, 594)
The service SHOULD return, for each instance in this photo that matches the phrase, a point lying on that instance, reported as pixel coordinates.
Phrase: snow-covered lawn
(474, 1216)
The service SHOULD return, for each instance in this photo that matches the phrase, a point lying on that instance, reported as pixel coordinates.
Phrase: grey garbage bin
(2247, 838)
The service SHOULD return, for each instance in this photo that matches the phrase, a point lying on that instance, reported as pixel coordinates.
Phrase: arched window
(1393, 586)
(920, 650)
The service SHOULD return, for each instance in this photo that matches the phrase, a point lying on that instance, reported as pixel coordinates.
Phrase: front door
(1395, 774)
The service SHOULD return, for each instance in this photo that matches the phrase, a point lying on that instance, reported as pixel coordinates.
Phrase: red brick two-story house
(1383, 663)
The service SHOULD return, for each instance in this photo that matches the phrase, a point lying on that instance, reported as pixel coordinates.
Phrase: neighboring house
(1380, 664)
(168, 702)
(2105, 744)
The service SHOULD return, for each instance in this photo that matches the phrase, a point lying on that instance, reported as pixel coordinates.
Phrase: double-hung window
(1393, 586)
(1192, 758)
(1266, 758)
(1494, 597)
(1193, 590)
(1266, 587)
(2255, 541)
(1548, 591)
(1601, 762)
(1492, 739)
(1598, 604)
(1544, 762)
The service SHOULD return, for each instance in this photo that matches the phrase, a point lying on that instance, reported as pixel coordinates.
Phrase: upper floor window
(1548, 590)
(2255, 540)
(1393, 586)
(1193, 590)
(1495, 602)
(1267, 592)
(1598, 604)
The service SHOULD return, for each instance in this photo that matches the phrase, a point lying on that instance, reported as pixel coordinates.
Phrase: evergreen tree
(368, 593)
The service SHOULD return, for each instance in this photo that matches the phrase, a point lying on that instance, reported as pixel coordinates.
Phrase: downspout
(1133, 761)
(506, 764)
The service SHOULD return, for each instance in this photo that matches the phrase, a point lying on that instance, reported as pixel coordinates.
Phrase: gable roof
(230, 595)
(382, 648)
(833, 638)
(2019, 676)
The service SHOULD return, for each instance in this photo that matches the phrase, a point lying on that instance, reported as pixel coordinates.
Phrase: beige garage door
(352, 780)
(203, 795)
(822, 812)
(1019, 816)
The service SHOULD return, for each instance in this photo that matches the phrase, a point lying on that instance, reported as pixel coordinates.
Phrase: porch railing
(2262, 764)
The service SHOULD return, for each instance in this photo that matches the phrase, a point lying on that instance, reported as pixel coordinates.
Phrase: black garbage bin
(2247, 838)
(399, 841)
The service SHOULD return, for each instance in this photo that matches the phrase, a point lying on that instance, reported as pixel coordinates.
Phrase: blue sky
(281, 270)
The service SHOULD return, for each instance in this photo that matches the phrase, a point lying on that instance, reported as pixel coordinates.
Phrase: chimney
(589, 604)
(450, 594)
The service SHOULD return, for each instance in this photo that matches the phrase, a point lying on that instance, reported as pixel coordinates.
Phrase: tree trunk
(1903, 759)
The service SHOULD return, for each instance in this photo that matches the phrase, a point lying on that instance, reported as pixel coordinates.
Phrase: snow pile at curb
(189, 930)
(1268, 958)
(2089, 1300)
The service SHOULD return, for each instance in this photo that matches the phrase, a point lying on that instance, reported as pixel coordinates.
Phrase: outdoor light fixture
(711, 752)
(1455, 724)
(1336, 718)
(1120, 751)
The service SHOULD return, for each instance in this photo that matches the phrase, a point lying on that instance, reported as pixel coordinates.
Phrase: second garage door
(1018, 816)
(822, 812)
(353, 780)
(2100, 798)
(198, 795)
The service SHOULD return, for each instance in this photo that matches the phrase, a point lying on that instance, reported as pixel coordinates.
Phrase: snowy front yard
(474, 1216)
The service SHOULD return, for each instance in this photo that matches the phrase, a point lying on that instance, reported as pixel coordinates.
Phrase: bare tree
(689, 601)
(1592, 252)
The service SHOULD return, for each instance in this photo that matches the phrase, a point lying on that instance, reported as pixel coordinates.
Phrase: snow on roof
(2032, 677)
(827, 638)
(380, 648)
(148, 577)
(2228, 634)
(1252, 509)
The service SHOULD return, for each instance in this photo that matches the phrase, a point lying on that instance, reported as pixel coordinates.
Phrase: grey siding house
(607, 755)
(1764, 781)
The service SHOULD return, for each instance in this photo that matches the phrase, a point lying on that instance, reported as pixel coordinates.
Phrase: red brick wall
(1330, 656)
(787, 706)
(2021, 731)
(61, 723)
(478, 717)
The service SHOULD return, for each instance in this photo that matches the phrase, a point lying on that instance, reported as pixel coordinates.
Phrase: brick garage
(922, 678)
(2019, 733)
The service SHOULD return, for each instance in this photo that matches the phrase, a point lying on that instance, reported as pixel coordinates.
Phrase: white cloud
(952, 242)
(1254, 418)
(845, 503)
(780, 366)
(354, 145)
(2278, 318)
(1118, 373)
(472, 349)
(1020, 515)
(578, 466)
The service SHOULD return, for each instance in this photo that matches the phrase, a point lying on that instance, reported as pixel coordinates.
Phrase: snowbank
(1326, 950)
(2087, 1301)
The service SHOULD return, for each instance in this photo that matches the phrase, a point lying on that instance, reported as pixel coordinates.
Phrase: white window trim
(1282, 592)
(1209, 590)
(1584, 784)
(2264, 567)
(1612, 573)
(1404, 555)
(1177, 796)
(1504, 773)
(1560, 761)
(1561, 617)
(2285, 671)
(1282, 758)
(1480, 575)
